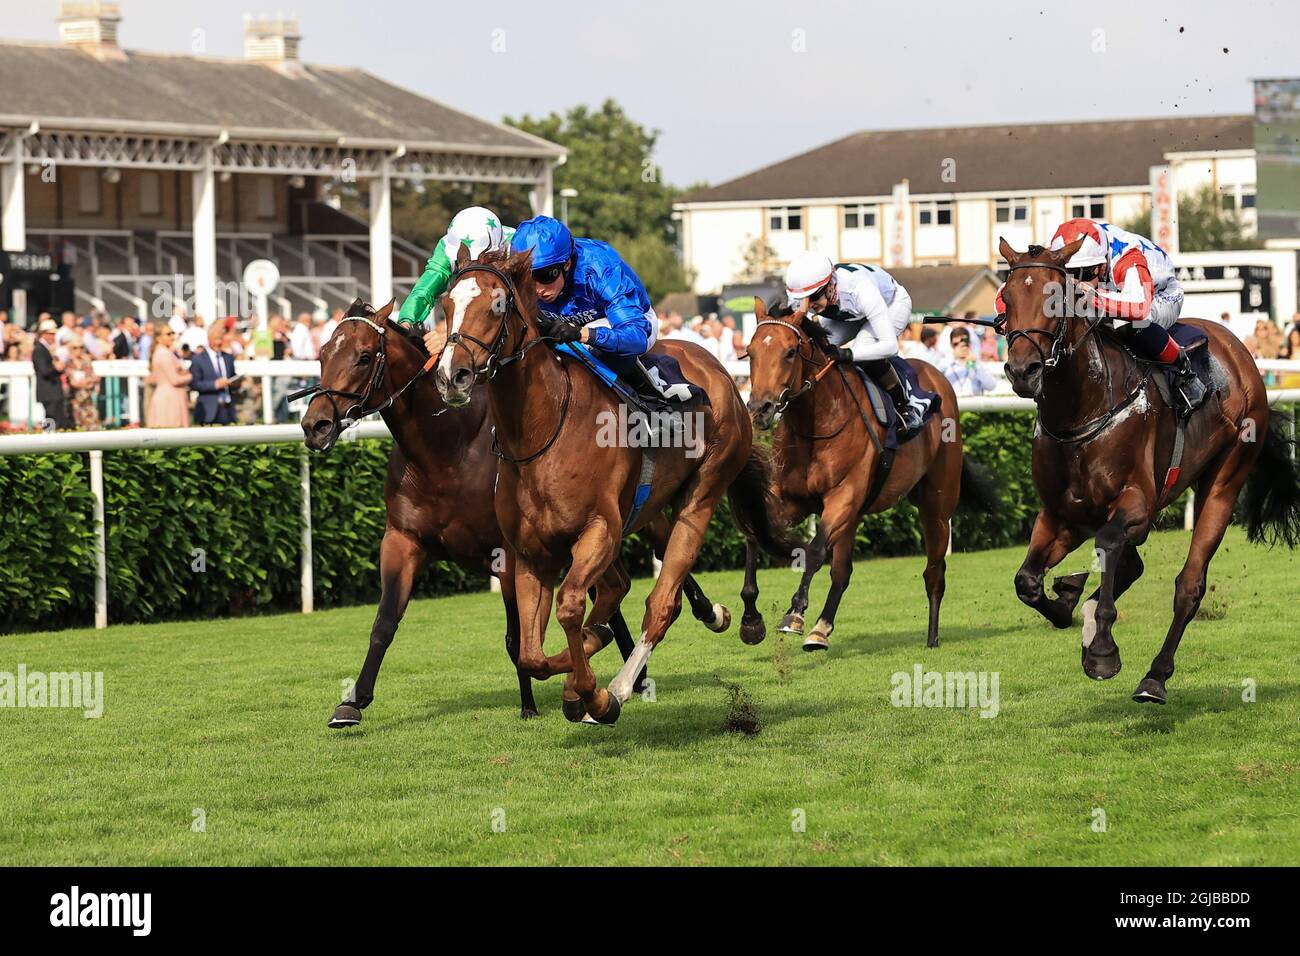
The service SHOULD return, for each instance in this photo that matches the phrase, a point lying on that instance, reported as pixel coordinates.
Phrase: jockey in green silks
(475, 227)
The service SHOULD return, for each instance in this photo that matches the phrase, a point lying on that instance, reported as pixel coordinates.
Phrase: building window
(265, 197)
(785, 219)
(1011, 210)
(150, 194)
(1237, 198)
(88, 200)
(1088, 207)
(859, 217)
(934, 214)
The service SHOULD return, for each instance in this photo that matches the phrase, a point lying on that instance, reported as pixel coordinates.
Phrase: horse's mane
(815, 331)
(364, 310)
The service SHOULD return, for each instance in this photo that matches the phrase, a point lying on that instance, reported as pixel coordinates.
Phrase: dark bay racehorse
(1103, 452)
(439, 486)
(564, 496)
(830, 460)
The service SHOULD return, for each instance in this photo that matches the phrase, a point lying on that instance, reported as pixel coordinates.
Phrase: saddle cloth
(926, 402)
(663, 371)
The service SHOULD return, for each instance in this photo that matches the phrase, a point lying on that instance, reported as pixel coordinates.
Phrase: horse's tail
(1271, 499)
(757, 509)
(979, 489)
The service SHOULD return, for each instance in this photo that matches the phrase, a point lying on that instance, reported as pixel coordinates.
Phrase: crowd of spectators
(191, 378)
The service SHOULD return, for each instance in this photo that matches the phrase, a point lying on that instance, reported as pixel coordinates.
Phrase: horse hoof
(816, 642)
(932, 642)
(611, 714)
(573, 710)
(345, 715)
(753, 632)
(721, 619)
(792, 623)
(1101, 667)
(527, 713)
(1150, 691)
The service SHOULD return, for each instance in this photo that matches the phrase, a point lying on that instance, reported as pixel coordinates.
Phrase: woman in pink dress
(169, 407)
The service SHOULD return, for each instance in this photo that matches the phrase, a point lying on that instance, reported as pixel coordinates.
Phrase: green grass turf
(229, 717)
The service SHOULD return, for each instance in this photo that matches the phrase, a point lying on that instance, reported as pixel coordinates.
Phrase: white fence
(96, 443)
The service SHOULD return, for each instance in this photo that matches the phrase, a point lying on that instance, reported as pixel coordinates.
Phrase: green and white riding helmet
(477, 228)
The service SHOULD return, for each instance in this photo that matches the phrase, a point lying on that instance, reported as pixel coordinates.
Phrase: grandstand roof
(67, 88)
(1006, 157)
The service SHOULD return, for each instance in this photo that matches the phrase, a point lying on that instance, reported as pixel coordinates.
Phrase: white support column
(13, 198)
(381, 237)
(542, 196)
(101, 551)
(304, 474)
(204, 191)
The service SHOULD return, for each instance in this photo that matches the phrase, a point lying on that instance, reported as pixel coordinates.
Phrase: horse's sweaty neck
(1091, 378)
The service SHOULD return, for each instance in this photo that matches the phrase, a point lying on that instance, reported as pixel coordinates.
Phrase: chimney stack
(272, 40)
(91, 26)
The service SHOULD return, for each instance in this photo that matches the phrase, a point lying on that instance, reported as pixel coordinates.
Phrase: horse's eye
(791, 353)
(363, 358)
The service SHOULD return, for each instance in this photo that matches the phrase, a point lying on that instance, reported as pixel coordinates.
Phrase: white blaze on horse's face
(462, 294)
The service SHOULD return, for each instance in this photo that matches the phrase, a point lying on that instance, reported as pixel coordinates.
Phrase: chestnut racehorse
(438, 489)
(830, 460)
(1104, 458)
(564, 496)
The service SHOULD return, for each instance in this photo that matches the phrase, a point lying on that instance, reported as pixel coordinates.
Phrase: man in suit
(49, 374)
(212, 370)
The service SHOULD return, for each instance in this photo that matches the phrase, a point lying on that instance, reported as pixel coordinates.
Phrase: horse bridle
(495, 362)
(1059, 347)
(806, 359)
(810, 358)
(358, 410)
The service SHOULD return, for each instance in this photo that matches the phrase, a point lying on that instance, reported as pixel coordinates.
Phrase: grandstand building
(123, 169)
(928, 197)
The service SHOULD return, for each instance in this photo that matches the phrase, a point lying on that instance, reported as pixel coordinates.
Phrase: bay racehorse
(438, 488)
(564, 497)
(830, 459)
(1108, 457)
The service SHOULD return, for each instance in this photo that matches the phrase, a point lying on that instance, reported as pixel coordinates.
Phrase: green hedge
(202, 532)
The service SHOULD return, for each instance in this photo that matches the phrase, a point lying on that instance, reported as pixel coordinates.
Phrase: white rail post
(101, 551)
(305, 473)
(1189, 513)
(268, 410)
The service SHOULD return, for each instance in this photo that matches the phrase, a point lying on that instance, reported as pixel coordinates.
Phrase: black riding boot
(1188, 385)
(635, 375)
(890, 382)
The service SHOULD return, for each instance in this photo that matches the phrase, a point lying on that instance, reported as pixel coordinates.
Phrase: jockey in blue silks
(588, 294)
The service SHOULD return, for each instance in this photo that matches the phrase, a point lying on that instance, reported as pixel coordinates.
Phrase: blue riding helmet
(549, 239)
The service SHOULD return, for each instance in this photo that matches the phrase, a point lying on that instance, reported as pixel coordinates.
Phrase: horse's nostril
(461, 378)
(321, 427)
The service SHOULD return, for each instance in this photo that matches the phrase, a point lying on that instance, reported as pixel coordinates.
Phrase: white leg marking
(1089, 621)
(621, 686)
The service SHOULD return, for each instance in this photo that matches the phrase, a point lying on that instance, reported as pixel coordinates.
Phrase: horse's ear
(383, 314)
(518, 264)
(1007, 252)
(1065, 253)
(462, 256)
(760, 308)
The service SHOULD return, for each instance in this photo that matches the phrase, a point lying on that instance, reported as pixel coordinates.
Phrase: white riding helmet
(477, 228)
(1091, 253)
(806, 273)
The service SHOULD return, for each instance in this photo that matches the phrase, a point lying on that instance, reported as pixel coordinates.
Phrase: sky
(734, 86)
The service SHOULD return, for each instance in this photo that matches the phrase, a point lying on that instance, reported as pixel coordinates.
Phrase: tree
(1207, 222)
(622, 198)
